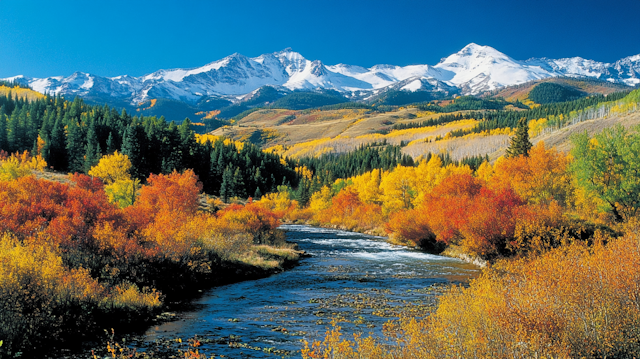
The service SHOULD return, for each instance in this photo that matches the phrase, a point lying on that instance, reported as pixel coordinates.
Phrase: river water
(361, 280)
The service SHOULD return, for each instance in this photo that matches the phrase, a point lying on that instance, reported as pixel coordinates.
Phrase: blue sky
(49, 38)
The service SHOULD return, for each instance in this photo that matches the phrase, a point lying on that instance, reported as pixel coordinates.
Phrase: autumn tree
(320, 200)
(399, 188)
(176, 192)
(114, 170)
(539, 178)
(608, 165)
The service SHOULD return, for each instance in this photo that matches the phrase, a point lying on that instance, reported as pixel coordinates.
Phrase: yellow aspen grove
(399, 189)
(368, 186)
(112, 168)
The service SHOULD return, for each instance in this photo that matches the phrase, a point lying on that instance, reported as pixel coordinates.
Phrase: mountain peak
(475, 50)
(285, 50)
(472, 46)
(288, 52)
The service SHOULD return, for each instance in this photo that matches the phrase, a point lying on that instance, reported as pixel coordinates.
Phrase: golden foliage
(152, 103)
(207, 137)
(368, 186)
(123, 192)
(399, 189)
(112, 168)
(279, 202)
(572, 302)
(320, 200)
(541, 177)
(20, 165)
(22, 93)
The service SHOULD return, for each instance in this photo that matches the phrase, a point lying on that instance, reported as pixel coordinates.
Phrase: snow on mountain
(422, 83)
(315, 75)
(472, 70)
(478, 68)
(626, 70)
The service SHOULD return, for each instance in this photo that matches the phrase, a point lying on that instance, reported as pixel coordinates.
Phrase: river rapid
(361, 280)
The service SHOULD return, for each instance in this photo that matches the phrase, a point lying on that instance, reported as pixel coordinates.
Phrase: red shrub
(173, 192)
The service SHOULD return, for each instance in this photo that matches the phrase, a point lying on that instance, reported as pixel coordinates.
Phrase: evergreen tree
(3, 129)
(257, 194)
(57, 147)
(13, 132)
(303, 192)
(238, 183)
(31, 128)
(227, 186)
(92, 152)
(111, 144)
(34, 149)
(131, 147)
(520, 144)
(75, 146)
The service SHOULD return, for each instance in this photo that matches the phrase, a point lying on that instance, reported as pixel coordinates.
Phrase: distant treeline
(435, 121)
(73, 136)
(471, 103)
(509, 119)
(491, 120)
(270, 98)
(402, 97)
(14, 84)
(364, 159)
(549, 92)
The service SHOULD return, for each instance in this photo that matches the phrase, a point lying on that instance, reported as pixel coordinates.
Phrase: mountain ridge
(473, 70)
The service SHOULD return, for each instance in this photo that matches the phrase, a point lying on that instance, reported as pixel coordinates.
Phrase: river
(360, 279)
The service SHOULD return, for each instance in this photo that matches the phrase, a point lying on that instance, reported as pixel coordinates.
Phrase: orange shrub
(412, 225)
(491, 222)
(540, 178)
(62, 213)
(255, 218)
(449, 205)
(348, 212)
(174, 192)
(462, 210)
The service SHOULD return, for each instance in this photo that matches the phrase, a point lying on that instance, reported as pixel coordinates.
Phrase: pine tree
(75, 146)
(57, 147)
(520, 144)
(257, 194)
(111, 144)
(13, 130)
(227, 186)
(31, 128)
(3, 129)
(131, 147)
(92, 152)
(238, 183)
(303, 192)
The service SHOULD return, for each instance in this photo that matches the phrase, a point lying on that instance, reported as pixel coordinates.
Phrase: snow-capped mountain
(476, 69)
(472, 70)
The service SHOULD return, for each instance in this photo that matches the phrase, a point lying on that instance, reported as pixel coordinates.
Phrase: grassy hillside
(20, 93)
(587, 86)
(290, 127)
(459, 134)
